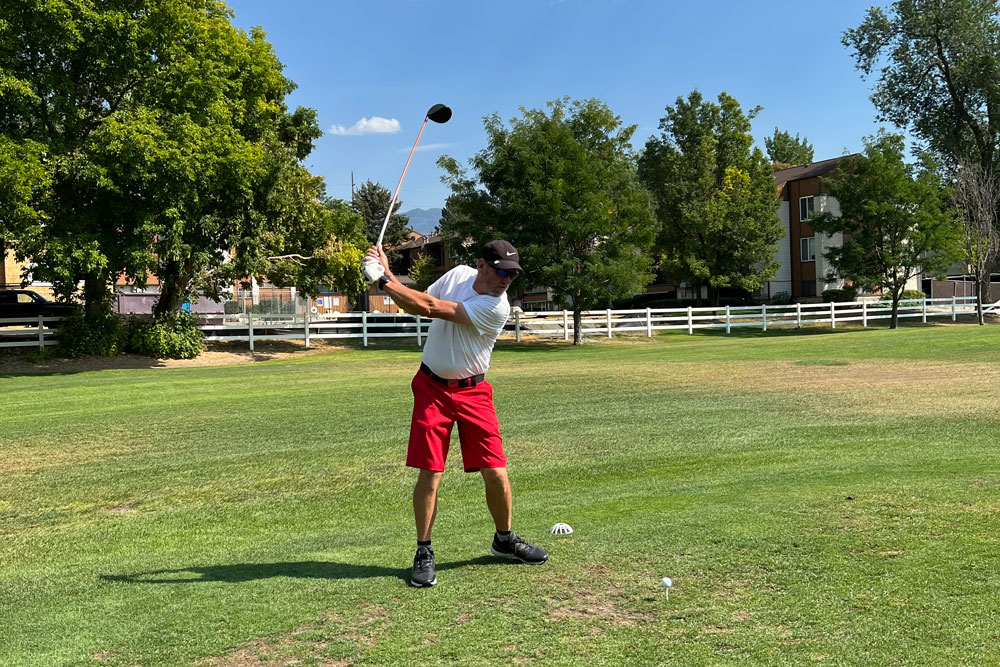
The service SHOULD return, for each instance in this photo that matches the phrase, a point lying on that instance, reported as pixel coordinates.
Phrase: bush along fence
(303, 324)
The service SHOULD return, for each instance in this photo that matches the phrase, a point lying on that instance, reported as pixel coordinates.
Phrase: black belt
(464, 382)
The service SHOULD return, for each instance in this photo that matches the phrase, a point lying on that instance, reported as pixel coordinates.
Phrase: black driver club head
(439, 113)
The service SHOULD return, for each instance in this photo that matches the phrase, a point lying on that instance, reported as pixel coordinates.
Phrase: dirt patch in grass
(216, 353)
(328, 643)
(606, 608)
(871, 387)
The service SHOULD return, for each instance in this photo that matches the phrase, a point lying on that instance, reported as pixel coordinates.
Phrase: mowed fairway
(827, 497)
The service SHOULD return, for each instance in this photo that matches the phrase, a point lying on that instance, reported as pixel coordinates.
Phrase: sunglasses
(507, 273)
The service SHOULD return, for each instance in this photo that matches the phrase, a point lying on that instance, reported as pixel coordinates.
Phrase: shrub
(781, 299)
(169, 336)
(912, 294)
(232, 307)
(840, 295)
(102, 335)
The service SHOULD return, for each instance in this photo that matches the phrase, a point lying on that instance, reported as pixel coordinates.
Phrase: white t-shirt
(456, 351)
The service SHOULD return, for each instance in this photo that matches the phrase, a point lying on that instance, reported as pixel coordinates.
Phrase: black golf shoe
(518, 549)
(423, 568)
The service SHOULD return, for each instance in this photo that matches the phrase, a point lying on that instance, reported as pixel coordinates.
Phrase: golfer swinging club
(469, 308)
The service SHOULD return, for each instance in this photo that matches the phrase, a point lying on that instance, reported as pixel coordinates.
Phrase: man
(469, 308)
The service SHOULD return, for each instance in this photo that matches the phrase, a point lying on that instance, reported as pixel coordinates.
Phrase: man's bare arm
(419, 303)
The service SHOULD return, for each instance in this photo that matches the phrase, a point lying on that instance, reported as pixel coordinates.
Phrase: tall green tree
(938, 75)
(371, 201)
(715, 197)
(166, 138)
(562, 187)
(783, 148)
(895, 219)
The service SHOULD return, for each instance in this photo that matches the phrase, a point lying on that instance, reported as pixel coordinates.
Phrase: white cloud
(426, 147)
(373, 125)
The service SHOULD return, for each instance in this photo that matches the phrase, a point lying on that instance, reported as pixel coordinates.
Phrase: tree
(894, 219)
(422, 272)
(167, 141)
(937, 73)
(371, 200)
(562, 187)
(784, 149)
(715, 197)
(976, 197)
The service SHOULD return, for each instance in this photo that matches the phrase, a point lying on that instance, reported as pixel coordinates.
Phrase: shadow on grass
(241, 572)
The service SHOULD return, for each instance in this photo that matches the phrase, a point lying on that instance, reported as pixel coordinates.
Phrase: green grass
(829, 497)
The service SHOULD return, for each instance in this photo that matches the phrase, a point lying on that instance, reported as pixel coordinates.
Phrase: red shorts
(436, 408)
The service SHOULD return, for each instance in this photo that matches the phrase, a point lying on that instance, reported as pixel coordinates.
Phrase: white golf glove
(372, 269)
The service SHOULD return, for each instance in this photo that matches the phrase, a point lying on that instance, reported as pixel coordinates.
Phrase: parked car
(26, 306)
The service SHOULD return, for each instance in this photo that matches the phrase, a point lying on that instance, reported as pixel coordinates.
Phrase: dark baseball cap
(501, 255)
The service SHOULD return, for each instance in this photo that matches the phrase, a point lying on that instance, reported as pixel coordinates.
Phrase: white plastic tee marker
(666, 582)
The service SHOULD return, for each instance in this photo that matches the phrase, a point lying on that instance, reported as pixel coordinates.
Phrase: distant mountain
(423, 220)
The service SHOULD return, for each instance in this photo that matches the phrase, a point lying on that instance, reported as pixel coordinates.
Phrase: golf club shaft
(388, 214)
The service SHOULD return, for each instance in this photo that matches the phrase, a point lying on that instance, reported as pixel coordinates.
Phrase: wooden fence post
(690, 321)
(763, 316)
(833, 315)
(565, 325)
(953, 313)
(364, 328)
(609, 323)
(41, 332)
(864, 313)
(923, 317)
(649, 323)
(250, 327)
(419, 335)
(729, 320)
(517, 326)
(798, 315)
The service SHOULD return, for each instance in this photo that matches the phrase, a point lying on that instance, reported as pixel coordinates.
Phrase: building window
(809, 249)
(808, 288)
(806, 210)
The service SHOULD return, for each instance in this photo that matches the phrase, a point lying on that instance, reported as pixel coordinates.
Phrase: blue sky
(388, 61)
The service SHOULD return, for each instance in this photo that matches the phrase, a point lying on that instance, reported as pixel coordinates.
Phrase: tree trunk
(96, 296)
(173, 289)
(895, 311)
(577, 334)
(981, 297)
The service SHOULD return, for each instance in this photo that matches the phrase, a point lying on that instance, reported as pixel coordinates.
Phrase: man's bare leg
(425, 503)
(498, 496)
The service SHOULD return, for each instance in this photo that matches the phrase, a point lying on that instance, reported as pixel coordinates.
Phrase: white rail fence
(251, 327)
(16, 332)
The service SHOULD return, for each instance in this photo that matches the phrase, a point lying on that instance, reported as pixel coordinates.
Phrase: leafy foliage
(562, 187)
(937, 73)
(894, 219)
(166, 144)
(715, 196)
(783, 148)
(422, 272)
(844, 294)
(371, 201)
(173, 335)
(103, 334)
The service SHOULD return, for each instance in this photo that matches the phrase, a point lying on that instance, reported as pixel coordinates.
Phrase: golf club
(438, 113)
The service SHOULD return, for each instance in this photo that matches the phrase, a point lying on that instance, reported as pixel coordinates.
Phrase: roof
(421, 241)
(782, 176)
